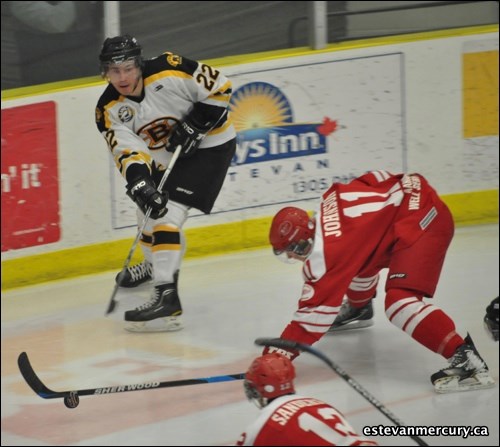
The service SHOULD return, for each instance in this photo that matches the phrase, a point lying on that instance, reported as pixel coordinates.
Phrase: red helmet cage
(290, 225)
(271, 375)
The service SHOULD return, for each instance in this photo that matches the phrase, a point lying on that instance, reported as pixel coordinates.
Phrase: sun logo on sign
(259, 104)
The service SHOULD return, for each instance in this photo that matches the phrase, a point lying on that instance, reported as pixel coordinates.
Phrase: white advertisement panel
(302, 127)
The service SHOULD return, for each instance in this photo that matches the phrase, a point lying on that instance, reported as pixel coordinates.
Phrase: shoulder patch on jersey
(307, 292)
(174, 59)
(125, 113)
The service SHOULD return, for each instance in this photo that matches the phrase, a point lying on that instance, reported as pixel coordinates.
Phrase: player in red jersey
(287, 418)
(377, 221)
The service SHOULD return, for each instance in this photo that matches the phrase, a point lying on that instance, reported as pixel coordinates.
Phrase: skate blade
(453, 385)
(166, 324)
(360, 324)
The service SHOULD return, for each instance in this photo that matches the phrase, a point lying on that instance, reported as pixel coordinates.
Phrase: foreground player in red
(287, 418)
(377, 221)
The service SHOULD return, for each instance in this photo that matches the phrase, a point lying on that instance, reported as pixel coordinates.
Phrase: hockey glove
(284, 352)
(491, 319)
(188, 135)
(144, 193)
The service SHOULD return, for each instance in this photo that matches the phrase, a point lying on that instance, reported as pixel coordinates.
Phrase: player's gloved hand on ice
(143, 192)
(189, 135)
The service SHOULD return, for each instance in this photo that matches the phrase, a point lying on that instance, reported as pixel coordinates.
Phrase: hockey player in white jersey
(149, 108)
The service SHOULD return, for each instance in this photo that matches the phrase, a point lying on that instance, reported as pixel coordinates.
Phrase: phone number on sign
(319, 184)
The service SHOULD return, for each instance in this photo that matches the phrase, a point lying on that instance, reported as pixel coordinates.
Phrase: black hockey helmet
(116, 50)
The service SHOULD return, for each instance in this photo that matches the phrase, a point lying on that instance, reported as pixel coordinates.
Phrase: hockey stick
(71, 398)
(293, 345)
(112, 301)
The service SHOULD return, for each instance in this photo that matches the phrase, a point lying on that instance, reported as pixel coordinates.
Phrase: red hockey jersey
(359, 226)
(297, 420)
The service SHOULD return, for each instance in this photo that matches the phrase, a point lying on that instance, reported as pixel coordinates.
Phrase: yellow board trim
(472, 208)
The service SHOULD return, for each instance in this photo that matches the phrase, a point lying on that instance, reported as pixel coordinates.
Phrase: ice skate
(352, 318)
(467, 371)
(491, 320)
(135, 275)
(160, 314)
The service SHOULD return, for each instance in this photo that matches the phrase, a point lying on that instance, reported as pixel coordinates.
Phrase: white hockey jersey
(137, 129)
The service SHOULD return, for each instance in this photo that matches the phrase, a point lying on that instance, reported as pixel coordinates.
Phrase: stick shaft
(43, 391)
(293, 345)
(112, 300)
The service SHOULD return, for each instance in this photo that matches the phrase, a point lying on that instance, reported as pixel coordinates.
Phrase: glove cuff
(134, 184)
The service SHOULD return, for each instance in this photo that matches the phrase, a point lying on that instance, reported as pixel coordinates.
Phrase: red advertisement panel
(30, 179)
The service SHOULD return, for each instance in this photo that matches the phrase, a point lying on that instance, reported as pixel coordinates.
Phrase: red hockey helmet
(268, 377)
(291, 229)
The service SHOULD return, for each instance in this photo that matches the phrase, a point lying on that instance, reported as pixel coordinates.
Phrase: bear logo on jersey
(156, 133)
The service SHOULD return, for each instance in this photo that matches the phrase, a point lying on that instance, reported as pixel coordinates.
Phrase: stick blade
(112, 300)
(111, 307)
(32, 379)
